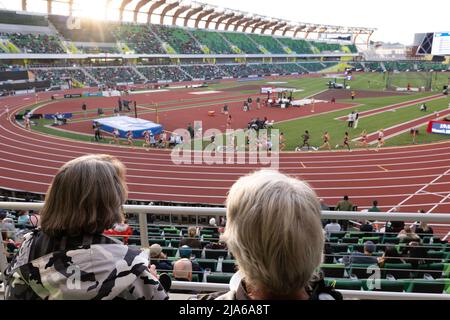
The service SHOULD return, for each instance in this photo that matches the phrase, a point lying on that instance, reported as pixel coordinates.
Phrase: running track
(412, 178)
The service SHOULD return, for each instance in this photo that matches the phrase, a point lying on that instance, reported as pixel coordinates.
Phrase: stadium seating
(11, 17)
(35, 43)
(139, 38)
(268, 43)
(177, 38)
(326, 47)
(242, 42)
(163, 73)
(114, 75)
(60, 76)
(298, 46)
(213, 41)
(204, 71)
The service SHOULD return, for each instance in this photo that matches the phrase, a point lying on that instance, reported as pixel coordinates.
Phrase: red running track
(412, 178)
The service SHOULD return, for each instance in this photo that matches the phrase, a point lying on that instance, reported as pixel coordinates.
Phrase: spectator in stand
(191, 241)
(416, 254)
(396, 226)
(424, 230)
(159, 259)
(390, 255)
(277, 254)
(344, 205)
(374, 207)
(23, 219)
(182, 270)
(362, 258)
(84, 199)
(333, 226)
(121, 231)
(407, 235)
(186, 252)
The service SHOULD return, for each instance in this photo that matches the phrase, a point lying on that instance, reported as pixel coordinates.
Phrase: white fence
(142, 211)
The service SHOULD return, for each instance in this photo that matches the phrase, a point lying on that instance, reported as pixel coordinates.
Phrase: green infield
(316, 124)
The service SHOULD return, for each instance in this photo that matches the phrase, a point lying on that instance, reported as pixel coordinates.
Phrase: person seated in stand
(182, 270)
(407, 235)
(159, 259)
(366, 227)
(192, 240)
(277, 254)
(362, 258)
(390, 255)
(424, 230)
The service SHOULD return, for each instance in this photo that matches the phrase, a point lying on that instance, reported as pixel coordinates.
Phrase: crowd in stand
(59, 77)
(115, 75)
(139, 38)
(35, 43)
(178, 39)
(164, 73)
(204, 71)
(253, 236)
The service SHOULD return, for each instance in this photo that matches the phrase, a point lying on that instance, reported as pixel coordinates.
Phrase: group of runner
(362, 141)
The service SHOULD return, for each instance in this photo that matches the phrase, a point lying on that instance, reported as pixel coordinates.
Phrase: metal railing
(142, 212)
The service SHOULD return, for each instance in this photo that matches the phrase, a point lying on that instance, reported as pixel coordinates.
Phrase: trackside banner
(439, 127)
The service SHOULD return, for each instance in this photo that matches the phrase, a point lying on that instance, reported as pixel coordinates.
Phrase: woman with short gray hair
(275, 233)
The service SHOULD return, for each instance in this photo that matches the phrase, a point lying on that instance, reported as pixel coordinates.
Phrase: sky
(395, 20)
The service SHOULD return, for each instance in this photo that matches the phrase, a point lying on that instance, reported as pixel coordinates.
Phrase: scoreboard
(441, 44)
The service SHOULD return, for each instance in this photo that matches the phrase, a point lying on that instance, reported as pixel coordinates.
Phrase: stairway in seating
(88, 75)
(133, 67)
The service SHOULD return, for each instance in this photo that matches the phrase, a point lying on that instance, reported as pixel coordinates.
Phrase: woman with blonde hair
(275, 233)
(68, 257)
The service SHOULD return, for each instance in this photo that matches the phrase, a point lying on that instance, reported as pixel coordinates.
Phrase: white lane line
(421, 189)
(439, 203)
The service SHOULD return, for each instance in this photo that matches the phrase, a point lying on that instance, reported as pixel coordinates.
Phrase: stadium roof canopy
(189, 14)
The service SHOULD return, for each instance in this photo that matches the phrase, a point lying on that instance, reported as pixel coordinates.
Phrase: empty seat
(361, 271)
(397, 270)
(229, 266)
(208, 264)
(350, 240)
(169, 251)
(384, 285)
(333, 270)
(425, 286)
(215, 254)
(219, 277)
(433, 269)
(338, 234)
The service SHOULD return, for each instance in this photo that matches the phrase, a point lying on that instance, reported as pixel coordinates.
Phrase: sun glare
(95, 9)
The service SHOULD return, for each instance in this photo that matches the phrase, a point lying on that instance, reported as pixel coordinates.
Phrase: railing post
(143, 230)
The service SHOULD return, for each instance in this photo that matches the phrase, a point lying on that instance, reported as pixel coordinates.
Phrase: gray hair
(274, 231)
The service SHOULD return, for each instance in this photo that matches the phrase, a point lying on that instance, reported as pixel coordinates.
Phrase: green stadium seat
(433, 269)
(345, 284)
(333, 270)
(215, 254)
(360, 270)
(425, 286)
(219, 277)
(169, 251)
(208, 264)
(339, 235)
(397, 270)
(390, 240)
(161, 242)
(353, 240)
(386, 285)
(229, 266)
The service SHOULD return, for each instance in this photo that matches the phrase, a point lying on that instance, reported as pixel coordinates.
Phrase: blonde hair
(85, 197)
(192, 232)
(274, 231)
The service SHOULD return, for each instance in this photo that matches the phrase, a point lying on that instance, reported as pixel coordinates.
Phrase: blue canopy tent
(125, 124)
